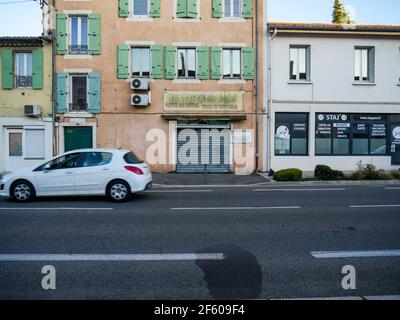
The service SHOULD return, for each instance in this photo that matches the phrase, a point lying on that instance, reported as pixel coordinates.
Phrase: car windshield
(131, 158)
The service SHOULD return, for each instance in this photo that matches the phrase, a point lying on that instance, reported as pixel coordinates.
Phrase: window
(300, 63)
(140, 8)
(187, 63)
(15, 144)
(232, 64)
(291, 134)
(34, 144)
(79, 35)
(232, 8)
(364, 64)
(64, 162)
(23, 69)
(131, 158)
(332, 134)
(78, 93)
(140, 62)
(93, 159)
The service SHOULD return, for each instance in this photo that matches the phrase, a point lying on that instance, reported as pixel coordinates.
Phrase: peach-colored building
(148, 74)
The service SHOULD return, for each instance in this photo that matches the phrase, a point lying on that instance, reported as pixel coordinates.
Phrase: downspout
(257, 90)
(54, 115)
(269, 104)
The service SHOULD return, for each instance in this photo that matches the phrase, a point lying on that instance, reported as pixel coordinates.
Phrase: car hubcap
(119, 191)
(22, 192)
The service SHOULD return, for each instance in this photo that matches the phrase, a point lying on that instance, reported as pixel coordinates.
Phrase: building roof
(334, 28)
(21, 41)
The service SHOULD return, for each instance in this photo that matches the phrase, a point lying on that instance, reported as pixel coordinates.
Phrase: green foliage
(369, 172)
(340, 14)
(396, 174)
(291, 174)
(325, 173)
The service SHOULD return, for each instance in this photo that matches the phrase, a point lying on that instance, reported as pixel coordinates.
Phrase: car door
(57, 177)
(94, 173)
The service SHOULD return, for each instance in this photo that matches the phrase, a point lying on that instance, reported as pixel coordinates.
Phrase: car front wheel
(22, 191)
(119, 191)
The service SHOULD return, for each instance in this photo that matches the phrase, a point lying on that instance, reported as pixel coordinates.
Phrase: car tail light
(135, 170)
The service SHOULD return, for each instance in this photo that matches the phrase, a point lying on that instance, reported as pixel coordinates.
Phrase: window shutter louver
(215, 63)
(123, 61)
(37, 69)
(170, 53)
(123, 8)
(94, 33)
(191, 10)
(61, 92)
(61, 41)
(157, 62)
(203, 69)
(94, 92)
(248, 63)
(155, 11)
(7, 74)
(247, 9)
(217, 8)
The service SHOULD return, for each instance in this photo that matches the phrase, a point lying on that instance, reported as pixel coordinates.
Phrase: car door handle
(105, 169)
(69, 172)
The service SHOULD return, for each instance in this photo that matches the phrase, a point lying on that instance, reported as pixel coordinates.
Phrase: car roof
(99, 150)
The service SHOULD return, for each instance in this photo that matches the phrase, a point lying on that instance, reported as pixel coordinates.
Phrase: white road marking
(376, 206)
(355, 254)
(110, 257)
(178, 191)
(235, 208)
(319, 189)
(393, 188)
(76, 209)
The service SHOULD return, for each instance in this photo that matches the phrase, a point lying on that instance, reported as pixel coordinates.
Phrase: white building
(334, 96)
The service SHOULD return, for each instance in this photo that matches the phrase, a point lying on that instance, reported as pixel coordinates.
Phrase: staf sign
(228, 101)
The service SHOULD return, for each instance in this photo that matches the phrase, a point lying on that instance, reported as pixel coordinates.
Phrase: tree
(340, 14)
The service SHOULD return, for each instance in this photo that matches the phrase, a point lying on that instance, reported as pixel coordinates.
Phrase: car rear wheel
(119, 191)
(22, 191)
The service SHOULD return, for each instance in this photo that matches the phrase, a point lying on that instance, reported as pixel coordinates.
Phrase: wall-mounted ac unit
(140, 99)
(140, 84)
(32, 110)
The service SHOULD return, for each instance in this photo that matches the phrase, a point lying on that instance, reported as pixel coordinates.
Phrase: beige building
(174, 81)
(25, 101)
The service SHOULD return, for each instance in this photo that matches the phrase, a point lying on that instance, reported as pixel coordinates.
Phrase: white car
(112, 172)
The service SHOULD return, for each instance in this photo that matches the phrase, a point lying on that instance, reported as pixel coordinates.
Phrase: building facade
(174, 81)
(334, 96)
(25, 101)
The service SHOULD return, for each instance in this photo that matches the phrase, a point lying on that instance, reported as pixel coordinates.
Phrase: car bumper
(4, 190)
(141, 183)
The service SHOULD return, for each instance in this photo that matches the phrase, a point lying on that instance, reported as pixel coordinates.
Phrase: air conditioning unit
(140, 99)
(140, 84)
(32, 110)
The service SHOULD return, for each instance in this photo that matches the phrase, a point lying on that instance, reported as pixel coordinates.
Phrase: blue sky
(25, 18)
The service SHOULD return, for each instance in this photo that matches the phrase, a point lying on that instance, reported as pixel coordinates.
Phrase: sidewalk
(187, 179)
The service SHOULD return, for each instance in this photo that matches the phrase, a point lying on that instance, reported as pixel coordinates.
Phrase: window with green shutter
(247, 9)
(155, 10)
(123, 8)
(94, 92)
(61, 92)
(217, 8)
(170, 53)
(7, 74)
(94, 33)
(123, 61)
(186, 8)
(157, 64)
(37, 69)
(61, 37)
(215, 61)
(248, 63)
(203, 65)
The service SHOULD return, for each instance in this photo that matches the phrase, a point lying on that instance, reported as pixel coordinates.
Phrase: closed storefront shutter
(194, 153)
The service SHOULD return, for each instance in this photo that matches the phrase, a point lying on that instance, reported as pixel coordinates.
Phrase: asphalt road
(260, 238)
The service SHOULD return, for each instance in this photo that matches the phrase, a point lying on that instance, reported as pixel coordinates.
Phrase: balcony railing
(81, 49)
(76, 107)
(24, 81)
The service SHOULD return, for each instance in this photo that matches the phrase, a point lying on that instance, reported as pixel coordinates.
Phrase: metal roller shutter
(219, 142)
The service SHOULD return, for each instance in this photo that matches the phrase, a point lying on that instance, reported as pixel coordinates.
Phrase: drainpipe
(268, 111)
(54, 76)
(257, 89)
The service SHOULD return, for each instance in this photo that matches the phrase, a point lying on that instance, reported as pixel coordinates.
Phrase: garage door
(77, 138)
(199, 146)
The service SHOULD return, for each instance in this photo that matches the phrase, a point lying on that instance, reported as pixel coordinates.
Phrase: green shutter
(7, 74)
(123, 61)
(94, 33)
(217, 8)
(191, 11)
(157, 62)
(247, 9)
(61, 25)
(94, 92)
(61, 92)
(37, 69)
(215, 63)
(181, 8)
(155, 8)
(203, 66)
(123, 8)
(248, 63)
(170, 53)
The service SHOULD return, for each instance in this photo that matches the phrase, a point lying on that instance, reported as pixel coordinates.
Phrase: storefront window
(291, 134)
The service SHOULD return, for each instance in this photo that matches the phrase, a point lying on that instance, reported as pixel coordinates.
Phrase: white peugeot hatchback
(112, 172)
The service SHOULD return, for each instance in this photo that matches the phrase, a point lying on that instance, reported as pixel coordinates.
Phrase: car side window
(63, 162)
(94, 159)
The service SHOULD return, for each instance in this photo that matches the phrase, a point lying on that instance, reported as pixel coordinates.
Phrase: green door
(78, 138)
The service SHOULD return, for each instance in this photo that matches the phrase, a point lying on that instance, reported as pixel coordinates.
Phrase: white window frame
(25, 72)
(195, 62)
(131, 62)
(70, 88)
(231, 17)
(307, 63)
(140, 16)
(370, 64)
(240, 49)
(79, 25)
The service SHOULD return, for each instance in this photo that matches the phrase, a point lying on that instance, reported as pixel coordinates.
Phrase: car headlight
(5, 175)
